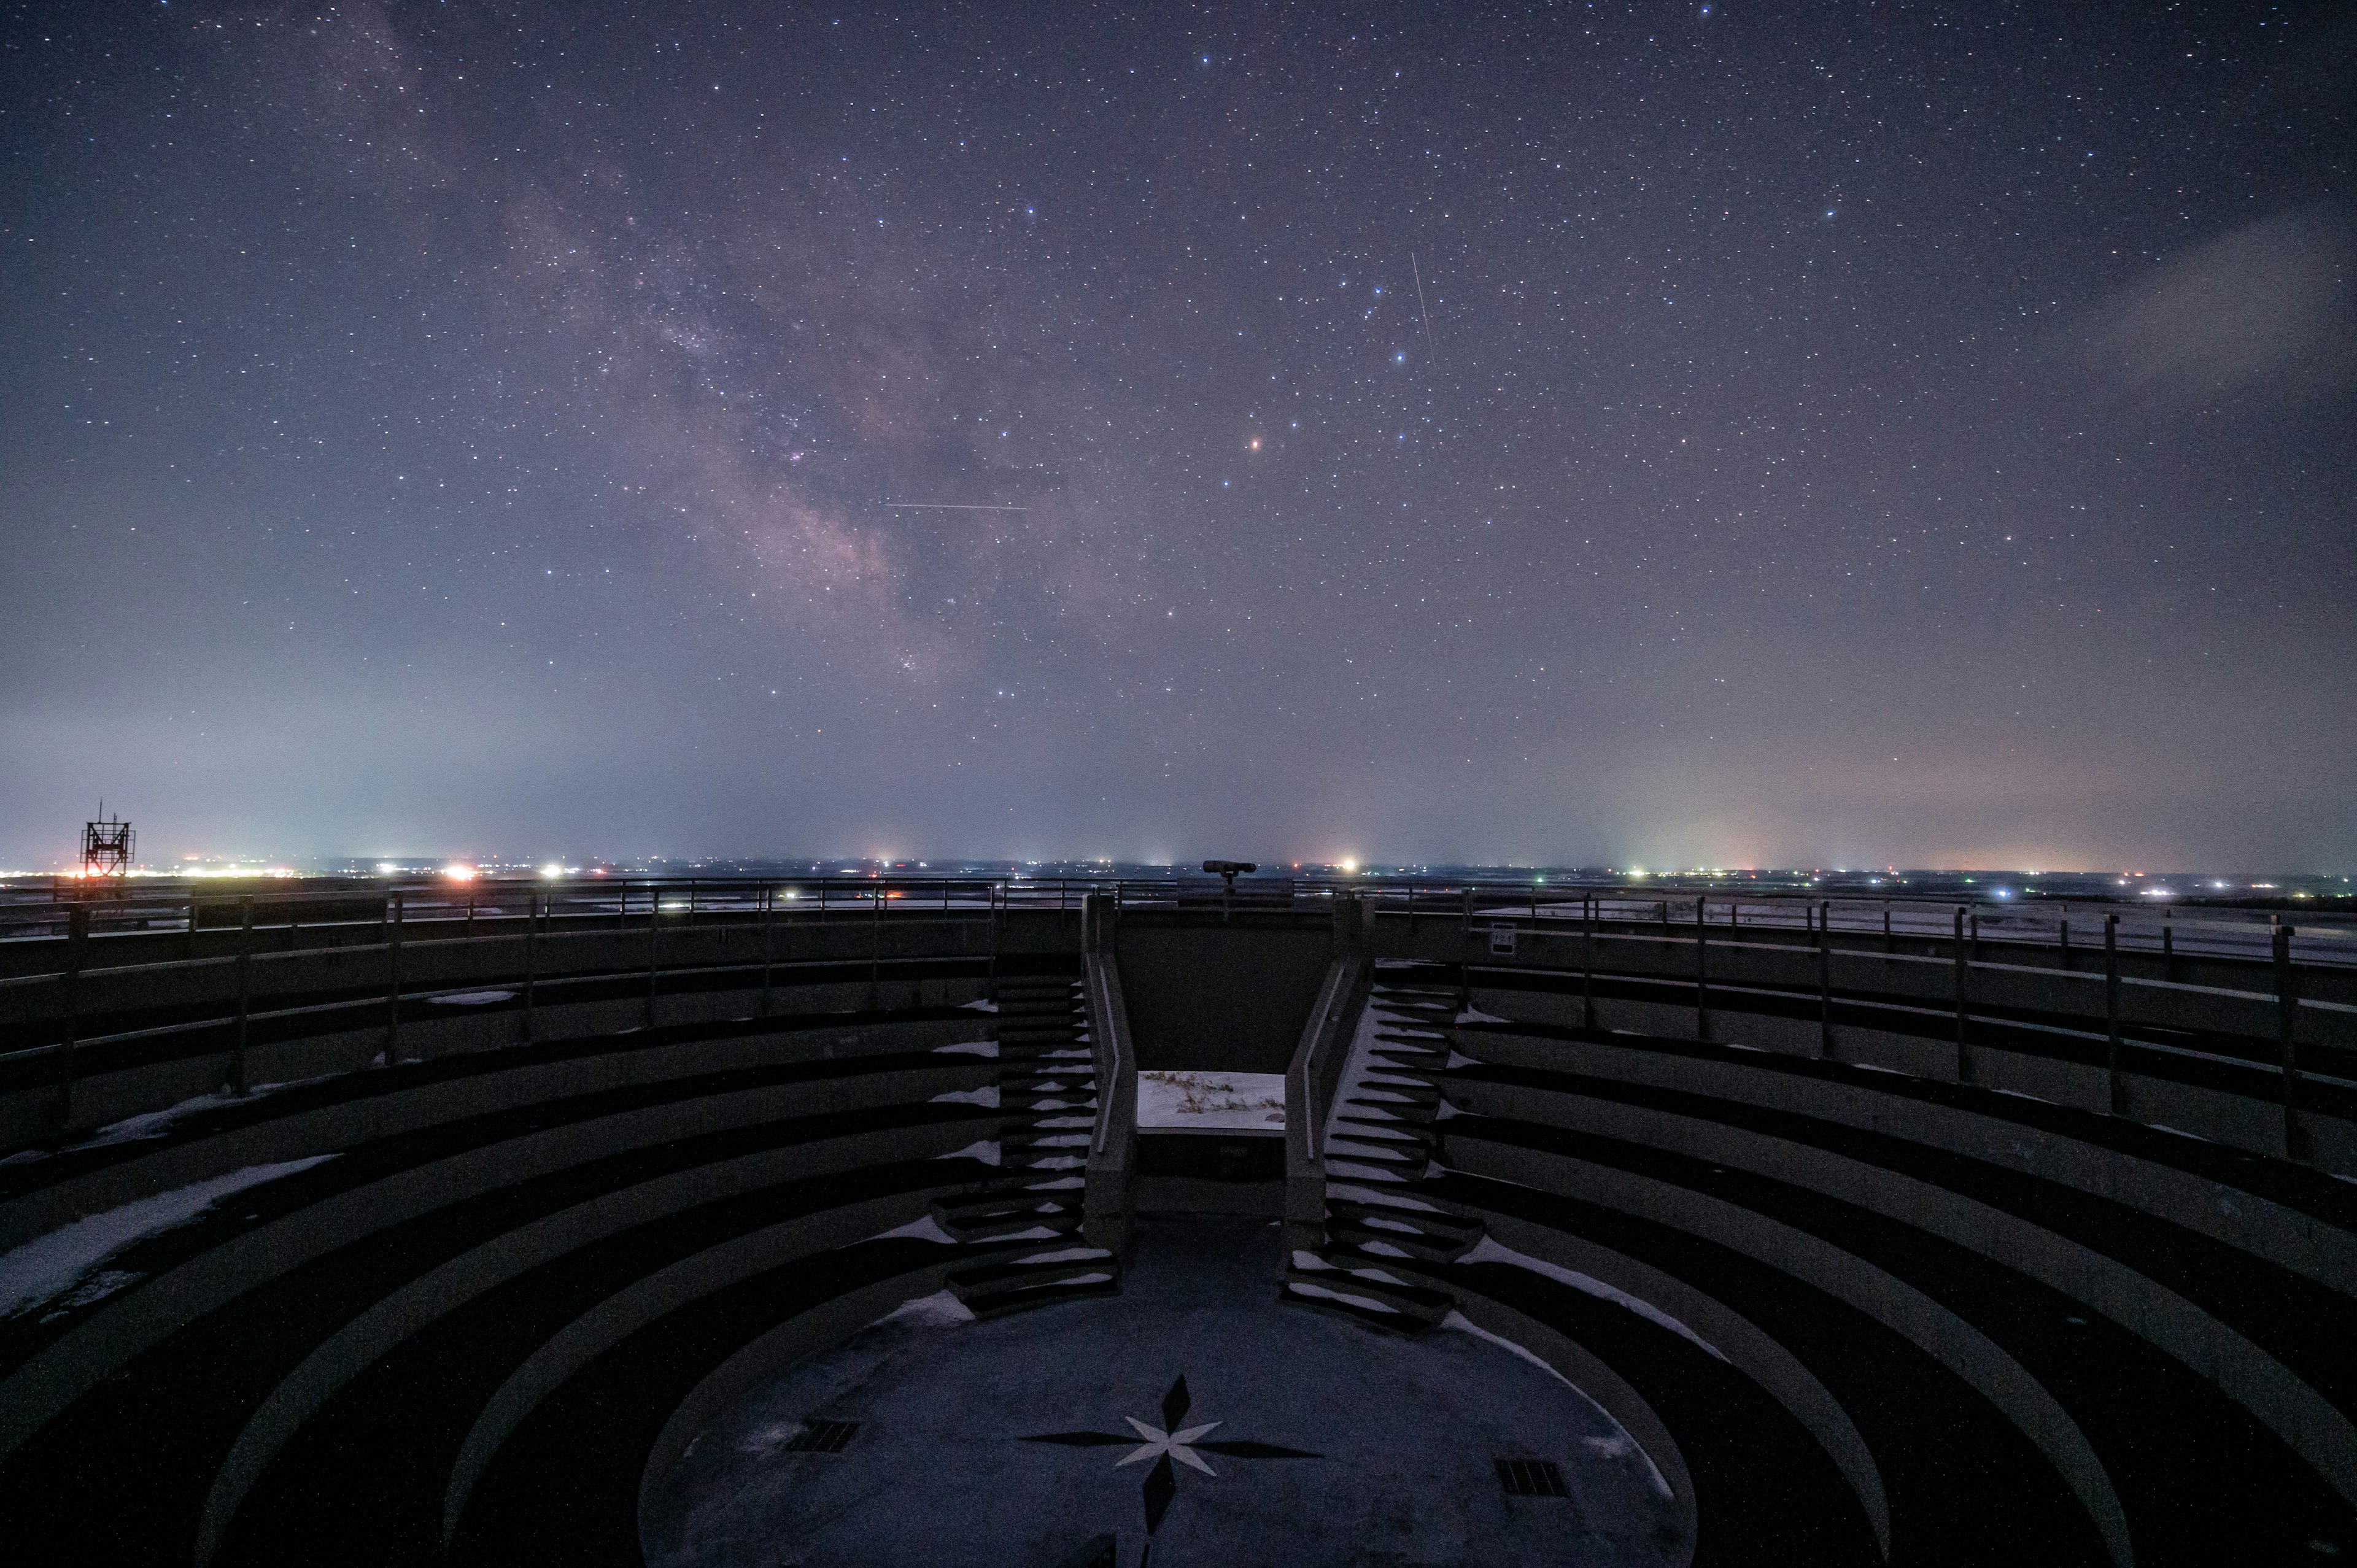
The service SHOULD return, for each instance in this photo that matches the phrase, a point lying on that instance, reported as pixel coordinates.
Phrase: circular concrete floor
(1389, 1445)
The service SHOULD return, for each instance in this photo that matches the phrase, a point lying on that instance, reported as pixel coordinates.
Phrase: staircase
(1048, 1097)
(1381, 1216)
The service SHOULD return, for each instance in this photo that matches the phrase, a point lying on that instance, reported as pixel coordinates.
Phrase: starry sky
(1714, 434)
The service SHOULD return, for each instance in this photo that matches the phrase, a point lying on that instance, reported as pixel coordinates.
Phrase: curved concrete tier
(1875, 1253)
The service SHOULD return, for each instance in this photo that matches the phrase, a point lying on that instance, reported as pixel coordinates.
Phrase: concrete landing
(1295, 1438)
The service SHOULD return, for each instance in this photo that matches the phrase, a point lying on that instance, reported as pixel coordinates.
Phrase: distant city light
(552, 871)
(458, 873)
(1349, 868)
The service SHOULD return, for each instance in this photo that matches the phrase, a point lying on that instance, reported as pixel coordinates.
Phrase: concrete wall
(1229, 998)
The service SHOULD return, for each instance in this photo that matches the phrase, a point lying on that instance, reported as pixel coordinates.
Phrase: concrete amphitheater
(702, 1226)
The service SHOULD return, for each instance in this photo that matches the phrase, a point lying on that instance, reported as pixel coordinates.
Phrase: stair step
(1337, 1290)
(999, 1283)
(1358, 1240)
(1392, 1096)
(1386, 1154)
(1399, 1132)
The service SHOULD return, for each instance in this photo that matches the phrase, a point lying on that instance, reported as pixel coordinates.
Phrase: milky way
(1709, 434)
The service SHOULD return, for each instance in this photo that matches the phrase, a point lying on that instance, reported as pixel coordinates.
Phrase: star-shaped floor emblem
(1166, 1443)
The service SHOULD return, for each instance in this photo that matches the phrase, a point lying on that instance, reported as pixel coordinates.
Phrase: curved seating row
(448, 1306)
(2012, 1329)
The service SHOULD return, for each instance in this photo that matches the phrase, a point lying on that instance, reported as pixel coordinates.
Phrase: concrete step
(1406, 1309)
(1078, 1270)
(1361, 1239)
(1385, 1131)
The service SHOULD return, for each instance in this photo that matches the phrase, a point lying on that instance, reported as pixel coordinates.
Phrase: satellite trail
(1423, 314)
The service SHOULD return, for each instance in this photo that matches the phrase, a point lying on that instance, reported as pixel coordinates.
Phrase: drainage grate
(1531, 1478)
(829, 1436)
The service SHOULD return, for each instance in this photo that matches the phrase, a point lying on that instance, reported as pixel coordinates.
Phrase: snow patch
(2164, 1127)
(969, 1047)
(1385, 1249)
(939, 1310)
(925, 1230)
(1465, 1325)
(1361, 1172)
(986, 1150)
(472, 998)
(1490, 1251)
(1457, 1059)
(1231, 1099)
(987, 1095)
(1368, 1302)
(981, 1007)
(1388, 1199)
(157, 1123)
(1475, 1015)
(55, 1265)
(1066, 1255)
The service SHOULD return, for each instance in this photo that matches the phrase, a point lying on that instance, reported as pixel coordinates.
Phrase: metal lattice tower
(106, 846)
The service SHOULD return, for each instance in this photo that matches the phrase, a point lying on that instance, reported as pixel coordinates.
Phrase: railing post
(1963, 980)
(2168, 943)
(654, 941)
(70, 981)
(392, 924)
(1888, 945)
(769, 946)
(1587, 963)
(990, 982)
(2113, 1050)
(531, 962)
(2062, 934)
(244, 991)
(1825, 979)
(1702, 968)
(2287, 1037)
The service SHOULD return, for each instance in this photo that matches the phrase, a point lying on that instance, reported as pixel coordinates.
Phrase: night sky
(1739, 434)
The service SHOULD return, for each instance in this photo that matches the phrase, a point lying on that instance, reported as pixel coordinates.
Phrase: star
(1173, 1443)
(1168, 1442)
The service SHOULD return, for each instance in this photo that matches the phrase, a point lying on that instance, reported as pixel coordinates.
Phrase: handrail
(1309, 1079)
(1106, 1200)
(2323, 935)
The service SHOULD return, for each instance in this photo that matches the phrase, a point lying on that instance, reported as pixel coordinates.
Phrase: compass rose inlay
(1166, 1443)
